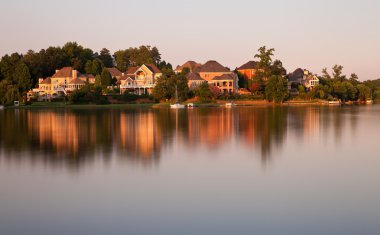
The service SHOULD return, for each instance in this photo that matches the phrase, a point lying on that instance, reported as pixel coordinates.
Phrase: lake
(246, 170)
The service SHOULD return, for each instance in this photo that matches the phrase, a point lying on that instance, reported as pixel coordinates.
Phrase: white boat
(336, 102)
(177, 105)
(190, 105)
(369, 102)
(1, 107)
(230, 104)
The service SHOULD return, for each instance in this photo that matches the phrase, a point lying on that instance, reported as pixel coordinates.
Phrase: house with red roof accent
(248, 70)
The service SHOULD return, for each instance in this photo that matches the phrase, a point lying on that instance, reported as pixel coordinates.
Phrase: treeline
(20, 72)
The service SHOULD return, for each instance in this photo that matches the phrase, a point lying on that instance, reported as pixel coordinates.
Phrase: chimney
(75, 74)
(56, 71)
(40, 80)
(122, 74)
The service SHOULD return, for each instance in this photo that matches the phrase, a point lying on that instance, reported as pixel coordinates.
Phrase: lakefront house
(214, 74)
(302, 77)
(63, 81)
(140, 80)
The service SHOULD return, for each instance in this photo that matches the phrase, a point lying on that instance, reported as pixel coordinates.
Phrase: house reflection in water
(138, 135)
(210, 127)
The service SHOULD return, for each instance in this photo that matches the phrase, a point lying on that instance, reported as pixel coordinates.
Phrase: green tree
(8, 65)
(340, 90)
(122, 60)
(106, 78)
(77, 55)
(22, 77)
(106, 58)
(277, 89)
(8, 92)
(277, 68)
(94, 67)
(165, 87)
(98, 81)
(354, 79)
(364, 92)
(351, 91)
(143, 55)
(161, 90)
(338, 73)
(264, 64)
(203, 92)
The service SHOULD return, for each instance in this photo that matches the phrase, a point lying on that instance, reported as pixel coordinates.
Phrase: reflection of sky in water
(294, 170)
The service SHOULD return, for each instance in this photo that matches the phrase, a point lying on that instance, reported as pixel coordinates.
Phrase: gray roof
(211, 66)
(225, 77)
(297, 75)
(248, 65)
(194, 77)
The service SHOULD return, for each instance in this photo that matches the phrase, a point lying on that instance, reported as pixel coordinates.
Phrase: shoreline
(218, 103)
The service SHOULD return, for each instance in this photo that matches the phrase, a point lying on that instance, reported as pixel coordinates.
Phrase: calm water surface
(249, 170)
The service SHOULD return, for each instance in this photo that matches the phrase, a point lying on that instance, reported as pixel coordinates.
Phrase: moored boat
(230, 104)
(1, 107)
(334, 102)
(177, 105)
(369, 101)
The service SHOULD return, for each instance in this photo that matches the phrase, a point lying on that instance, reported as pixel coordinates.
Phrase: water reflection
(77, 136)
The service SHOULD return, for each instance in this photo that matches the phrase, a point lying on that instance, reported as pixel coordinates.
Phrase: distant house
(302, 77)
(140, 80)
(215, 74)
(64, 80)
(191, 65)
(248, 70)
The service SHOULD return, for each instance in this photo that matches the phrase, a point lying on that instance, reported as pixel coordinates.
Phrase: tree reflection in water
(73, 137)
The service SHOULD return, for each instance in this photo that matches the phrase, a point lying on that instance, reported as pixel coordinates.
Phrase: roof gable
(153, 68)
(194, 77)
(212, 66)
(132, 70)
(46, 81)
(248, 65)
(65, 72)
(77, 81)
(189, 64)
(224, 77)
(114, 72)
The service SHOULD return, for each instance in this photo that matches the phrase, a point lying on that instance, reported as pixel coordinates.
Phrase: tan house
(218, 75)
(64, 80)
(140, 80)
(226, 83)
(191, 65)
(311, 80)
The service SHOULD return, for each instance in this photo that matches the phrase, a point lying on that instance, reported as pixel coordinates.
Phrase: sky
(306, 34)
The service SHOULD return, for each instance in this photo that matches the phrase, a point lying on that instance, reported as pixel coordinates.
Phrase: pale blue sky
(307, 34)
